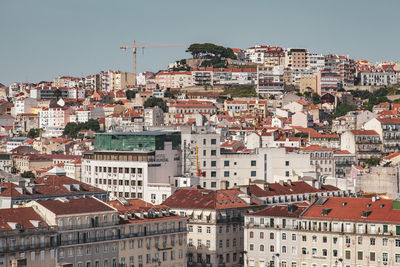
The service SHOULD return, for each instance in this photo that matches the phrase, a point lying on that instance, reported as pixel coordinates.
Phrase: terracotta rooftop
(292, 211)
(354, 209)
(207, 199)
(22, 216)
(75, 206)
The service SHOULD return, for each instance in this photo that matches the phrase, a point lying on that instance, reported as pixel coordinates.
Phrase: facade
(215, 224)
(365, 144)
(270, 80)
(153, 117)
(297, 58)
(387, 128)
(128, 164)
(321, 158)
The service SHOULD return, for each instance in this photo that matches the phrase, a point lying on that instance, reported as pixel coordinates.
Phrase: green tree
(33, 133)
(372, 162)
(92, 124)
(316, 99)
(130, 94)
(156, 102)
(28, 174)
(342, 109)
(71, 129)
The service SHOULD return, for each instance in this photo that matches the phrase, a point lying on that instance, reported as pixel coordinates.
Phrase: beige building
(308, 83)
(333, 231)
(215, 224)
(297, 58)
(120, 80)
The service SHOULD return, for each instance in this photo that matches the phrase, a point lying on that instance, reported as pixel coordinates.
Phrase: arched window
(251, 234)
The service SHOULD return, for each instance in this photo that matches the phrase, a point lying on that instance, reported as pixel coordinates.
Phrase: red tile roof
(22, 216)
(207, 199)
(75, 206)
(276, 189)
(351, 209)
(292, 211)
(364, 132)
(314, 148)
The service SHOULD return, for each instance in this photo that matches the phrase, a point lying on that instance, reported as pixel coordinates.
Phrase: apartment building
(17, 193)
(54, 117)
(297, 58)
(321, 158)
(365, 144)
(270, 80)
(387, 128)
(215, 224)
(174, 79)
(378, 78)
(160, 236)
(343, 161)
(134, 165)
(333, 231)
(228, 164)
(153, 117)
(271, 237)
(289, 192)
(27, 238)
(274, 56)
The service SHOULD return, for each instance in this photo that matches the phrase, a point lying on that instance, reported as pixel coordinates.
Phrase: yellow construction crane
(135, 47)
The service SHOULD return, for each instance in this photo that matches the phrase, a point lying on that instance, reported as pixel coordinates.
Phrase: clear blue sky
(42, 39)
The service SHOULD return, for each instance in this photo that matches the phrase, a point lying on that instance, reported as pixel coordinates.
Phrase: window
(385, 242)
(286, 163)
(251, 247)
(271, 248)
(303, 251)
(283, 249)
(208, 230)
(251, 234)
(220, 244)
(199, 229)
(271, 236)
(253, 173)
(347, 254)
(261, 247)
(208, 243)
(287, 173)
(397, 242)
(314, 251)
(213, 184)
(385, 257)
(213, 163)
(397, 258)
(213, 174)
(283, 236)
(261, 235)
(324, 239)
(372, 241)
(372, 256)
(253, 163)
(213, 152)
(226, 173)
(293, 237)
(226, 163)
(324, 252)
(213, 141)
(304, 238)
(334, 252)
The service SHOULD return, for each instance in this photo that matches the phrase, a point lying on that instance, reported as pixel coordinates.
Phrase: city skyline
(49, 39)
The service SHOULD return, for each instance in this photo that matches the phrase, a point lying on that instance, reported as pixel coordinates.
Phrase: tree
(342, 109)
(71, 129)
(156, 102)
(216, 55)
(28, 174)
(130, 94)
(372, 162)
(316, 99)
(92, 124)
(33, 133)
